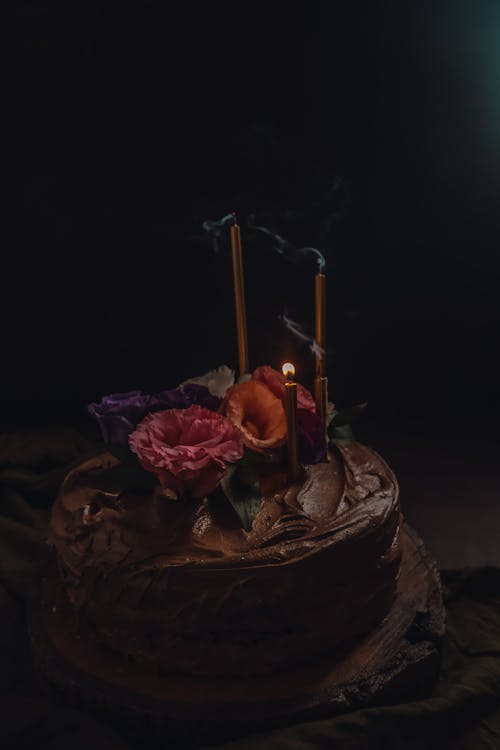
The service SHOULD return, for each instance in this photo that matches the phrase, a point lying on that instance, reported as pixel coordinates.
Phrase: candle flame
(288, 370)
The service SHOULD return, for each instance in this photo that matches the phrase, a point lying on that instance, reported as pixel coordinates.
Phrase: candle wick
(235, 218)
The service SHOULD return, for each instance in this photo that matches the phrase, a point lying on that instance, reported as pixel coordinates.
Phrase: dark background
(371, 130)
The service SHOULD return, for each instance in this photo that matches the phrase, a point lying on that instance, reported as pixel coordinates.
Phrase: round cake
(180, 587)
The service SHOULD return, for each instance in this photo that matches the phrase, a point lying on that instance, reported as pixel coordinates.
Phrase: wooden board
(397, 660)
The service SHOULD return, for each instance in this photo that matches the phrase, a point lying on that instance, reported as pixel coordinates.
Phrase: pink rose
(275, 381)
(187, 448)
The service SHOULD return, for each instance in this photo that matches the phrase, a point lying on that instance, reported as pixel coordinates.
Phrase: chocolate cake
(179, 587)
(234, 559)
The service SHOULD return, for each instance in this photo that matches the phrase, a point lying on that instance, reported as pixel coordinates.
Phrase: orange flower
(276, 382)
(256, 411)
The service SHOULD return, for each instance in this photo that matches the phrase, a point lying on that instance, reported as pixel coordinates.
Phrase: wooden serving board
(397, 660)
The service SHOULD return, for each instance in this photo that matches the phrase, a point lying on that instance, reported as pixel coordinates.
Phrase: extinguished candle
(321, 381)
(239, 297)
(291, 420)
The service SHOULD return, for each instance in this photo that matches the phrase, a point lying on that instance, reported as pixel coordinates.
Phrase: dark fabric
(463, 713)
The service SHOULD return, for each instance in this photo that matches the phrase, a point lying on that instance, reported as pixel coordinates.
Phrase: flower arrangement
(211, 432)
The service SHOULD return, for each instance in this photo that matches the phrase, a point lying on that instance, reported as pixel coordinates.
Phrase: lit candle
(239, 297)
(291, 420)
(321, 381)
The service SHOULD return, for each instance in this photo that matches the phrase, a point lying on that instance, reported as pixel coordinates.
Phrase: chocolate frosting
(180, 586)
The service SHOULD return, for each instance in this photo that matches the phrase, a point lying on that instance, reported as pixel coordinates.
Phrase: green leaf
(348, 416)
(241, 487)
(342, 434)
(339, 423)
(330, 417)
(251, 466)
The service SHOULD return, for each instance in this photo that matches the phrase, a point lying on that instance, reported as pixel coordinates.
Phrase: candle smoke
(216, 230)
(322, 213)
(284, 247)
(300, 334)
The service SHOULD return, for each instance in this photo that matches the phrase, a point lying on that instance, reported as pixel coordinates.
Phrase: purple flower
(119, 413)
(312, 438)
(184, 396)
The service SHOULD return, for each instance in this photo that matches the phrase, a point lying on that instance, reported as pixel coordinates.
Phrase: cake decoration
(288, 370)
(189, 437)
(188, 449)
(239, 296)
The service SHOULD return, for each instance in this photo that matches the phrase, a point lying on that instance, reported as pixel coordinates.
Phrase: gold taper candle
(321, 398)
(239, 297)
(291, 421)
(321, 381)
(320, 298)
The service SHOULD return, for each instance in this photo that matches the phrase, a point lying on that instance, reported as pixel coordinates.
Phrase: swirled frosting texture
(178, 586)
